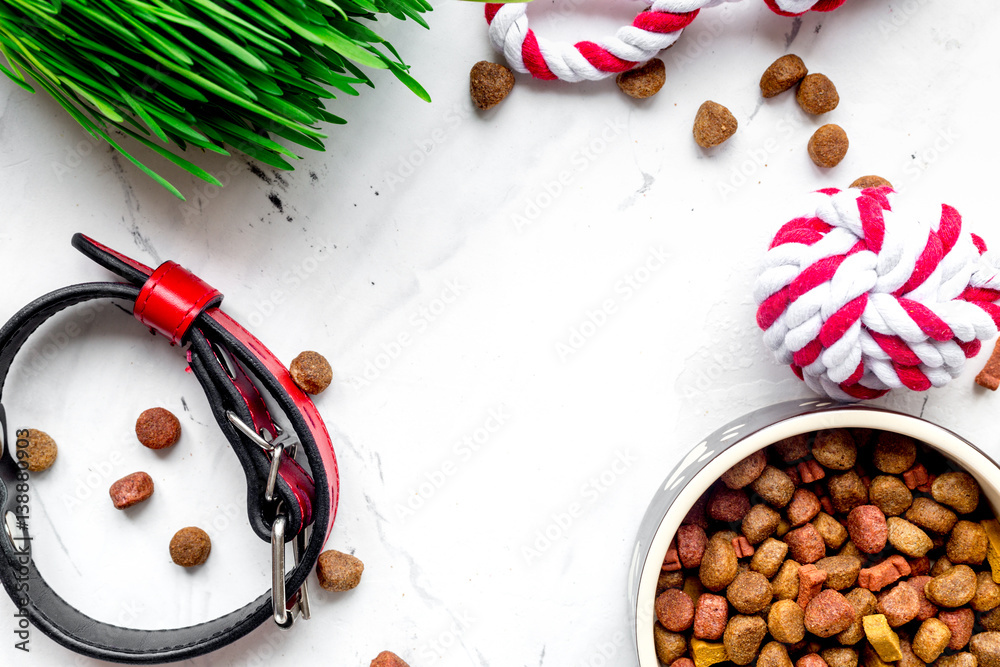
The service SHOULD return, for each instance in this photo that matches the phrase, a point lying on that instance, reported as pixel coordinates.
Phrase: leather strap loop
(171, 299)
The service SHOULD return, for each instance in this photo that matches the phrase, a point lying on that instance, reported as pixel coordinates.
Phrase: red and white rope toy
(652, 31)
(859, 297)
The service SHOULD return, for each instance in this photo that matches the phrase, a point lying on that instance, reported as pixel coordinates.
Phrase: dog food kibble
(986, 648)
(954, 588)
(882, 638)
(847, 491)
(957, 490)
(828, 613)
(711, 614)
(39, 449)
(742, 638)
(907, 538)
(713, 124)
(489, 84)
(782, 75)
(960, 622)
(931, 640)
(388, 659)
(311, 371)
(987, 593)
(340, 572)
(675, 610)
(817, 94)
(157, 428)
(832, 549)
(931, 516)
(643, 81)
(669, 645)
(900, 604)
(835, 449)
(190, 547)
(870, 182)
(705, 653)
(828, 146)
(746, 471)
(131, 489)
(967, 543)
(889, 494)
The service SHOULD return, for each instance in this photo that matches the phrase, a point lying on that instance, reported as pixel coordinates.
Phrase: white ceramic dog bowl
(738, 439)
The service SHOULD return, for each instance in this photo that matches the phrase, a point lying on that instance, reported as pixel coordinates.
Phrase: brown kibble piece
(941, 565)
(746, 471)
(964, 659)
(698, 514)
(742, 638)
(890, 495)
(718, 565)
(774, 486)
(931, 640)
(713, 124)
(782, 75)
(728, 505)
(131, 489)
(828, 146)
(341, 572)
(847, 491)
(786, 621)
(957, 490)
(388, 659)
(894, 453)
(900, 604)
(674, 579)
(805, 544)
(840, 657)
(954, 588)
(960, 622)
(931, 516)
(828, 613)
(842, 571)
(786, 583)
(674, 610)
(865, 182)
(967, 543)
(989, 377)
(817, 94)
(906, 649)
(643, 81)
(986, 647)
(907, 538)
(793, 448)
(749, 593)
(990, 620)
(711, 614)
(760, 523)
(190, 546)
(157, 428)
(864, 604)
(669, 645)
(774, 654)
(868, 528)
(39, 449)
(769, 557)
(835, 449)
(832, 531)
(311, 371)
(489, 84)
(987, 592)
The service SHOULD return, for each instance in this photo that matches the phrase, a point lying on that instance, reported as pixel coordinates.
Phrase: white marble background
(448, 288)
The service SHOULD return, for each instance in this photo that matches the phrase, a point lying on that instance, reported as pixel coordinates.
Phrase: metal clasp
(278, 445)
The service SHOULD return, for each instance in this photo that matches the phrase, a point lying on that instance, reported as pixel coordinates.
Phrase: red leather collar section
(171, 299)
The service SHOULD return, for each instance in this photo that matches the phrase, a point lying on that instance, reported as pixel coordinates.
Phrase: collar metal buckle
(276, 446)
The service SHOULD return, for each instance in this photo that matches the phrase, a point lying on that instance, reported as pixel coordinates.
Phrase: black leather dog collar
(233, 368)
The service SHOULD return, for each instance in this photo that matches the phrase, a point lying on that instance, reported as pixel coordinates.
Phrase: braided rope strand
(860, 298)
(652, 31)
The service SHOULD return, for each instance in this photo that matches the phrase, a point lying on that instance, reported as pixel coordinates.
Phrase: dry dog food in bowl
(821, 535)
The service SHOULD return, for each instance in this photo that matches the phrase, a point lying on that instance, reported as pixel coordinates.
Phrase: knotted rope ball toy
(859, 297)
(652, 31)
